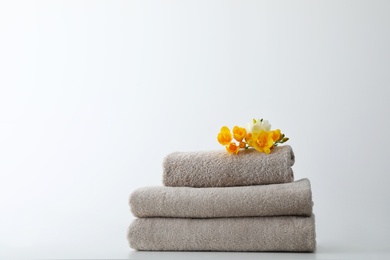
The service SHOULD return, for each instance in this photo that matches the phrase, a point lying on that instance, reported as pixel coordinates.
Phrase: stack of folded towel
(213, 201)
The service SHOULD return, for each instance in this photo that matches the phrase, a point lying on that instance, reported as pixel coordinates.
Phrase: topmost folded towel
(220, 169)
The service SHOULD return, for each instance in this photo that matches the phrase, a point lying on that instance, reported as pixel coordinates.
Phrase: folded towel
(223, 234)
(220, 169)
(292, 198)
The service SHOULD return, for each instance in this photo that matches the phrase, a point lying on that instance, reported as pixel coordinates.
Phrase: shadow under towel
(220, 169)
(293, 234)
(292, 198)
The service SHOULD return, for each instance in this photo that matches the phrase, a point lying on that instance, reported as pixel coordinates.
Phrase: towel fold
(293, 198)
(224, 234)
(220, 169)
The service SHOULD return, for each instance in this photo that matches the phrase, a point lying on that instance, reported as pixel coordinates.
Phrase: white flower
(258, 125)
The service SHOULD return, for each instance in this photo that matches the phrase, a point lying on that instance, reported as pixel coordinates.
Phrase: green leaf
(285, 139)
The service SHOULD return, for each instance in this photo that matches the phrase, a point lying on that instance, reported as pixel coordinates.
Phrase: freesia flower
(276, 135)
(224, 136)
(239, 133)
(248, 137)
(262, 141)
(232, 148)
(258, 135)
(258, 125)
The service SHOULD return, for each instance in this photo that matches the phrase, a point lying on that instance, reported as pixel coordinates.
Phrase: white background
(94, 94)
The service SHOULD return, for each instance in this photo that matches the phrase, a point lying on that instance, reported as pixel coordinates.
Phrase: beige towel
(292, 198)
(220, 169)
(224, 234)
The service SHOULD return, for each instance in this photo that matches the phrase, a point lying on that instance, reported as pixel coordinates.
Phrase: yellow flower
(276, 135)
(262, 141)
(248, 137)
(239, 133)
(232, 148)
(224, 136)
(258, 135)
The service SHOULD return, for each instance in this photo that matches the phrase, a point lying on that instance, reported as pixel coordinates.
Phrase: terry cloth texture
(220, 169)
(223, 234)
(292, 198)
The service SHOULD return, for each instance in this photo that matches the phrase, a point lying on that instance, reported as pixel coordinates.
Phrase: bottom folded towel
(224, 234)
